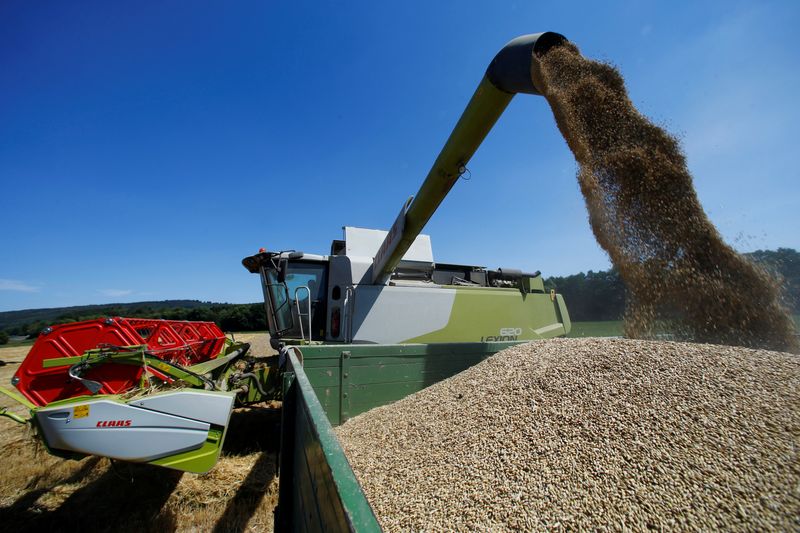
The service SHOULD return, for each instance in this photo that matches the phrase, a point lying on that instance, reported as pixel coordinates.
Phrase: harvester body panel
(392, 315)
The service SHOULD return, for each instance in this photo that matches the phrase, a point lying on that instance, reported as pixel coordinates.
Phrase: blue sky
(146, 147)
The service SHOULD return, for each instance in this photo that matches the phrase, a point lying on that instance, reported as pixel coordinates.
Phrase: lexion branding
(506, 334)
(113, 423)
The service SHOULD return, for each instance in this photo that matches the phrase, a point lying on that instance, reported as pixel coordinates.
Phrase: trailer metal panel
(318, 489)
(350, 379)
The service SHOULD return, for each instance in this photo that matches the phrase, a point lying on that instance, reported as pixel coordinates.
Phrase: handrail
(300, 315)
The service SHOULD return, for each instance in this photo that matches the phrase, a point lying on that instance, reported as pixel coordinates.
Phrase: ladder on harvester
(301, 315)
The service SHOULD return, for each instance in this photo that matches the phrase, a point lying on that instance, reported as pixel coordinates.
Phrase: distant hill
(10, 319)
(230, 317)
(600, 295)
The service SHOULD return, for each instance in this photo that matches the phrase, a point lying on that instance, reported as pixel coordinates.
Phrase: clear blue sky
(146, 147)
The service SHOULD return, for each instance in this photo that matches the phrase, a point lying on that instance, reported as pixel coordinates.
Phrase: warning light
(262, 250)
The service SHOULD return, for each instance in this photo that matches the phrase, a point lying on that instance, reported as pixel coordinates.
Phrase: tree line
(230, 317)
(596, 296)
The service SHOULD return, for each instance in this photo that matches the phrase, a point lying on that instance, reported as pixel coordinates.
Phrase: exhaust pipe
(509, 73)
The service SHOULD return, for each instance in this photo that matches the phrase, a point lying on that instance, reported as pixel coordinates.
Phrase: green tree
(784, 264)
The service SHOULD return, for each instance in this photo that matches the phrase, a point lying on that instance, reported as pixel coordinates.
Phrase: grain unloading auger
(128, 400)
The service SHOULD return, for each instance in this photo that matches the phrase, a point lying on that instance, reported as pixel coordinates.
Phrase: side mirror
(283, 266)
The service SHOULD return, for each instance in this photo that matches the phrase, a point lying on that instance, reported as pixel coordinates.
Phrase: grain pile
(645, 214)
(590, 433)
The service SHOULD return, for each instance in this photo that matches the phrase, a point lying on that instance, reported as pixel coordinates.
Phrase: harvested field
(40, 492)
(590, 434)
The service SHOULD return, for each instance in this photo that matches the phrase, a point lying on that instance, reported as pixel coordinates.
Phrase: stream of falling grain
(680, 276)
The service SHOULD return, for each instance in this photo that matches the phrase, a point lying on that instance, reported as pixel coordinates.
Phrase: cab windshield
(279, 309)
(304, 280)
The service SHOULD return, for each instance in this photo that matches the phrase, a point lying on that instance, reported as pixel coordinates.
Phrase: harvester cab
(295, 296)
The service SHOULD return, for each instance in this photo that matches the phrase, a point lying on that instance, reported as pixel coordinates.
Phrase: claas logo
(113, 423)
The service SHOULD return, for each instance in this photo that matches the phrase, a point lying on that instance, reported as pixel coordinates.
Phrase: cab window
(315, 277)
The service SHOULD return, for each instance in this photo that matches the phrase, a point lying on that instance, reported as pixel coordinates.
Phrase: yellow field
(39, 492)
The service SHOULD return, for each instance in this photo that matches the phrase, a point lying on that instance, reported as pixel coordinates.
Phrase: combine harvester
(371, 323)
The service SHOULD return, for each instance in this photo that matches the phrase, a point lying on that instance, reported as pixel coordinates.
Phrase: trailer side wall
(318, 490)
